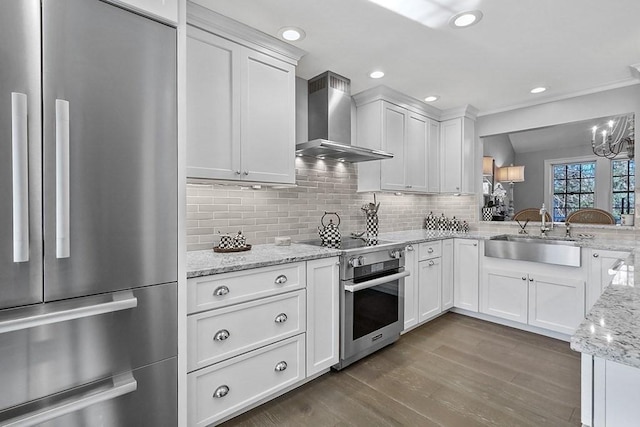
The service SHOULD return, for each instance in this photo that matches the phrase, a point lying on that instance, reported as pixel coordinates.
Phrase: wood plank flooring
(454, 371)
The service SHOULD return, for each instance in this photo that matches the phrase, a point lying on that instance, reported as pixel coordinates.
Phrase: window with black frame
(574, 186)
(623, 187)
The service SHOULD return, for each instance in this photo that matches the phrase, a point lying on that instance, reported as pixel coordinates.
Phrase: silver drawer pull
(409, 248)
(221, 391)
(430, 250)
(281, 366)
(281, 279)
(221, 335)
(596, 255)
(221, 291)
(431, 263)
(281, 318)
(524, 278)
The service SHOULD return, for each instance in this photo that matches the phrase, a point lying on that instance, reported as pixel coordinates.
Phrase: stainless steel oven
(371, 300)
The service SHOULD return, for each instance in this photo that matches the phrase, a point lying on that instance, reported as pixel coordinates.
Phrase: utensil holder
(372, 229)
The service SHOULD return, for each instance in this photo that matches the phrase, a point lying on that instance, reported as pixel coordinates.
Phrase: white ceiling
(556, 137)
(571, 46)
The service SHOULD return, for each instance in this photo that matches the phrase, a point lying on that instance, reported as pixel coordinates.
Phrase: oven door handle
(376, 282)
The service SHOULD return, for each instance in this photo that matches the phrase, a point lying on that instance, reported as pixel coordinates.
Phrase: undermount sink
(536, 249)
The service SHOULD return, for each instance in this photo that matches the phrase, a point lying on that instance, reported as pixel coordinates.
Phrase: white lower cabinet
(430, 300)
(610, 393)
(429, 288)
(253, 333)
(226, 387)
(600, 274)
(447, 274)
(466, 273)
(556, 303)
(542, 295)
(505, 294)
(323, 314)
(216, 335)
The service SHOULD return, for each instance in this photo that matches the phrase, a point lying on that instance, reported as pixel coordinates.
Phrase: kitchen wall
(322, 185)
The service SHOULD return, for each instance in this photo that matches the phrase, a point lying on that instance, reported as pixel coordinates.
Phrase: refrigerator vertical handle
(20, 176)
(63, 249)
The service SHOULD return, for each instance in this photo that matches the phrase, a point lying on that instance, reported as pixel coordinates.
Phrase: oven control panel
(396, 253)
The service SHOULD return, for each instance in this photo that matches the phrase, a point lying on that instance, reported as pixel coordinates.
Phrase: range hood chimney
(329, 108)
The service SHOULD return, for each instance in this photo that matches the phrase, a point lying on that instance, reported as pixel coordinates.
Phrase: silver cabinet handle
(430, 250)
(221, 291)
(63, 249)
(221, 335)
(596, 255)
(281, 279)
(245, 173)
(524, 277)
(281, 366)
(409, 248)
(238, 172)
(475, 244)
(281, 318)
(221, 391)
(20, 175)
(122, 301)
(122, 384)
(431, 263)
(531, 279)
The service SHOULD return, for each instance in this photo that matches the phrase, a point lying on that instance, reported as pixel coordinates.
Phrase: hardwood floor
(453, 371)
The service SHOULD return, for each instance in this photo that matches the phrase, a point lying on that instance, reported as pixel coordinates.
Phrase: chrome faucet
(543, 227)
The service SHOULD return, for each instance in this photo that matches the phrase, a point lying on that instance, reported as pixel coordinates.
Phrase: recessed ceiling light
(465, 19)
(291, 34)
(432, 98)
(539, 89)
(376, 75)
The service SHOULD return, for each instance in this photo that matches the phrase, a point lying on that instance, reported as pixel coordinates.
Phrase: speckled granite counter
(207, 262)
(611, 329)
(418, 236)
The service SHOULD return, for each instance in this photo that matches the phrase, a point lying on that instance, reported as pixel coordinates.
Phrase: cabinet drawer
(220, 334)
(220, 290)
(429, 250)
(222, 389)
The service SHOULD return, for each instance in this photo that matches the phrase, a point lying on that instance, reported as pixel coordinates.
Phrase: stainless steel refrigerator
(88, 216)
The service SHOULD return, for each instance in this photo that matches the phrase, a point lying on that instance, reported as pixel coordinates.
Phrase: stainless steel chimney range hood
(329, 108)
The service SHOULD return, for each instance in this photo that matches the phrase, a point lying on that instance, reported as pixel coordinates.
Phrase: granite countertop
(611, 329)
(422, 235)
(207, 262)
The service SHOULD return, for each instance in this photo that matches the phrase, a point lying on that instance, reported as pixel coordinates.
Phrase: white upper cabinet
(412, 139)
(163, 10)
(240, 102)
(457, 155)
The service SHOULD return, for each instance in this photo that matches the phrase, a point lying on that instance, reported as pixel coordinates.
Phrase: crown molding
(616, 85)
(213, 22)
(468, 111)
(385, 93)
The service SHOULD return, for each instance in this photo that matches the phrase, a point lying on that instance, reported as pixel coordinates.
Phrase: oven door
(372, 313)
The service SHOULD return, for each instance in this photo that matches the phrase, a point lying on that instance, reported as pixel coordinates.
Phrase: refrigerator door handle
(122, 384)
(122, 301)
(63, 249)
(20, 175)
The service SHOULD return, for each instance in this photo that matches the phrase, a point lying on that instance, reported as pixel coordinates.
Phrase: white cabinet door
(240, 112)
(615, 394)
(416, 153)
(433, 160)
(451, 155)
(600, 277)
(392, 174)
(430, 284)
(213, 106)
(447, 274)
(411, 288)
(457, 145)
(268, 119)
(323, 314)
(556, 303)
(466, 274)
(165, 10)
(505, 294)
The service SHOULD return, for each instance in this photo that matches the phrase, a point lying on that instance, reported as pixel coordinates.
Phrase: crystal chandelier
(618, 137)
